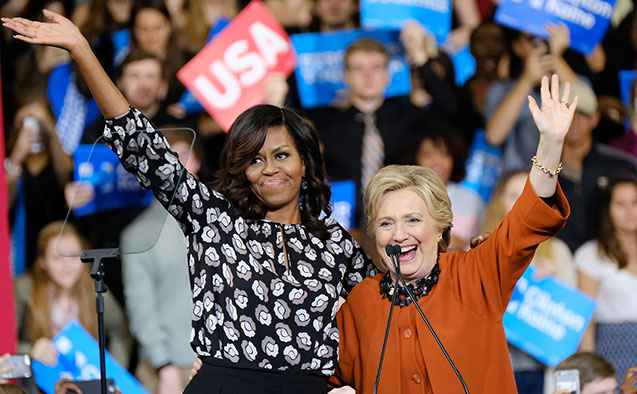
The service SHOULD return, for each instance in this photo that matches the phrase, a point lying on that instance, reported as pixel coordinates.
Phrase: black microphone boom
(396, 261)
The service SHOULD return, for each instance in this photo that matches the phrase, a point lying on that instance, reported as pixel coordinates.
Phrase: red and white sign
(228, 75)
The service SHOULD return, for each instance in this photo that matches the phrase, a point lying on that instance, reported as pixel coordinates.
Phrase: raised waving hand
(553, 120)
(61, 32)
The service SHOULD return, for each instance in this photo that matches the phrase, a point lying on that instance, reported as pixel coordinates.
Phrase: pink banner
(228, 75)
(8, 331)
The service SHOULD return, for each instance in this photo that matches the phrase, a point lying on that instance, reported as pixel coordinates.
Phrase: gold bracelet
(552, 172)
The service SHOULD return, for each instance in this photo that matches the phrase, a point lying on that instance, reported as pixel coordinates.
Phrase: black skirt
(217, 377)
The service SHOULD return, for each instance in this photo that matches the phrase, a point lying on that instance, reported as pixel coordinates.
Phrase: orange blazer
(465, 308)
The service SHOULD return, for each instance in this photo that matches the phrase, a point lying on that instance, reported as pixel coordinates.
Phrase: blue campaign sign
(626, 82)
(546, 319)
(483, 167)
(319, 70)
(114, 186)
(586, 19)
(344, 203)
(78, 359)
(464, 65)
(435, 15)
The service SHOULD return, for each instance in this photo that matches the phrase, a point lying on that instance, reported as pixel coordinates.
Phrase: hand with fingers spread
(554, 118)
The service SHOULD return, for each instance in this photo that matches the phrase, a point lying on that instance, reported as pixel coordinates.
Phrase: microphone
(393, 251)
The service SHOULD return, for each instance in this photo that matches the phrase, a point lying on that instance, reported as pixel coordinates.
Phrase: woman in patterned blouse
(266, 272)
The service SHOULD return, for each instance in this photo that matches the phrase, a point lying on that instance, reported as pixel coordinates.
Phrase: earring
(439, 237)
(303, 184)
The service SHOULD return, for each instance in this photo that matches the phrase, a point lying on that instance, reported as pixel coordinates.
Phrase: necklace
(419, 289)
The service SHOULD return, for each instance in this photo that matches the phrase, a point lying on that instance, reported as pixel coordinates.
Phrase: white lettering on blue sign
(540, 311)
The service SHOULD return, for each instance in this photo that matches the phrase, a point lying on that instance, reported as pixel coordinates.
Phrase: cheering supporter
(35, 163)
(607, 268)
(260, 322)
(59, 290)
(586, 165)
(443, 150)
(489, 47)
(463, 294)
(509, 122)
(160, 323)
(552, 257)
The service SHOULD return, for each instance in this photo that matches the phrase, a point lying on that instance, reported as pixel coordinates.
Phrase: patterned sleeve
(145, 153)
(360, 267)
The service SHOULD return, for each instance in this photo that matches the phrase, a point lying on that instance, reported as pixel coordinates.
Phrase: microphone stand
(394, 258)
(97, 257)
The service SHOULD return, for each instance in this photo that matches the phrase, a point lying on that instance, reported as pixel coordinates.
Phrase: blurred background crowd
(48, 113)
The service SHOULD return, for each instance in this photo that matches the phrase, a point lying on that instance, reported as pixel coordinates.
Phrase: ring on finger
(564, 102)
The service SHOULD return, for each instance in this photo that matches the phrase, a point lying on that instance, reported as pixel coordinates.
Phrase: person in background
(489, 47)
(443, 150)
(586, 166)
(607, 269)
(597, 375)
(59, 290)
(552, 257)
(36, 170)
(509, 122)
(160, 323)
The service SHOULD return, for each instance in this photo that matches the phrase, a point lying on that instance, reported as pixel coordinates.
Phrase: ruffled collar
(421, 288)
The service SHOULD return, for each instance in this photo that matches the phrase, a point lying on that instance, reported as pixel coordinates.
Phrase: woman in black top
(266, 272)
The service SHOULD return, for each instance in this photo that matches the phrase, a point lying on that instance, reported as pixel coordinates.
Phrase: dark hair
(589, 365)
(608, 242)
(443, 134)
(365, 44)
(137, 54)
(243, 142)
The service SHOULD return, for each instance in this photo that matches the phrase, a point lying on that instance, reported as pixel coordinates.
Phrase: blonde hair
(423, 181)
(38, 322)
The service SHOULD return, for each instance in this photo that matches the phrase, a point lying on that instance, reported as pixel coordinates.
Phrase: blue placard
(587, 20)
(114, 186)
(547, 319)
(319, 70)
(78, 359)
(344, 203)
(483, 167)
(434, 15)
(464, 65)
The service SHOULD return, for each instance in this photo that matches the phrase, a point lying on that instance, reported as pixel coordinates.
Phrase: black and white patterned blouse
(248, 310)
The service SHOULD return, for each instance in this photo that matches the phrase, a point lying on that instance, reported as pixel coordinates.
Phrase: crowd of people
(247, 271)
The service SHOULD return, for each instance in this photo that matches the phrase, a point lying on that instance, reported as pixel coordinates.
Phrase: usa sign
(229, 74)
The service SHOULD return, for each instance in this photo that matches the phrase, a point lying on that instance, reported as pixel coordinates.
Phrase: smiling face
(403, 219)
(275, 175)
(63, 271)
